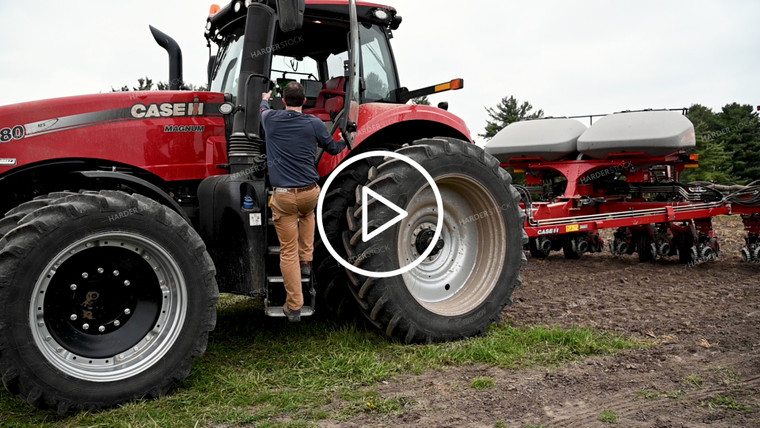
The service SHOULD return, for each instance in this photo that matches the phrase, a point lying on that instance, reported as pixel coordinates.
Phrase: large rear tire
(14, 216)
(332, 282)
(104, 297)
(462, 287)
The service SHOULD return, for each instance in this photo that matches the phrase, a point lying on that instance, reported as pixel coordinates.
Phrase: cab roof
(316, 10)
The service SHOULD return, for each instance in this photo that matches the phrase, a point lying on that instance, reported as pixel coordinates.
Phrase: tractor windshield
(227, 71)
(315, 56)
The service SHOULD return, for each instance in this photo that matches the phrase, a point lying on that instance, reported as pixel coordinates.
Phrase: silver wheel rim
(466, 270)
(143, 353)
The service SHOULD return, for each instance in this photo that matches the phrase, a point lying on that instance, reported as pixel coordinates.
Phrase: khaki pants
(293, 215)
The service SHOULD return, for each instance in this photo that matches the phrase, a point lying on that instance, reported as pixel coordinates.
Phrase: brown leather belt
(294, 189)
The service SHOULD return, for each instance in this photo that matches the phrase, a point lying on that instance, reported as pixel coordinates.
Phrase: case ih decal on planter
(549, 231)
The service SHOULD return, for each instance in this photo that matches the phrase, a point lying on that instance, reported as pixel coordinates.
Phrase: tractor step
(281, 280)
(276, 311)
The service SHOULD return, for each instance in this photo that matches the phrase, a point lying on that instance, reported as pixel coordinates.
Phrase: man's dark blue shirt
(292, 140)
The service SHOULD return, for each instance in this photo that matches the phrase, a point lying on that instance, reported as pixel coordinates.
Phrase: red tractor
(127, 213)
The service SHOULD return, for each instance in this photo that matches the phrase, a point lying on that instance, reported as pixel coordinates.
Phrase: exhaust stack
(175, 58)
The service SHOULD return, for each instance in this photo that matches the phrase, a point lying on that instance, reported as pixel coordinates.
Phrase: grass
(693, 381)
(481, 383)
(263, 371)
(609, 417)
(728, 403)
(726, 375)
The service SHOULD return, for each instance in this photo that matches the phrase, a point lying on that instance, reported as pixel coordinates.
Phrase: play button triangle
(366, 234)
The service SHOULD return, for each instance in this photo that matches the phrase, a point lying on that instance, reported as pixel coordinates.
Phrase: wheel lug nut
(116, 273)
(73, 317)
(101, 329)
(127, 311)
(73, 287)
(85, 326)
(101, 270)
(85, 275)
(117, 323)
(127, 283)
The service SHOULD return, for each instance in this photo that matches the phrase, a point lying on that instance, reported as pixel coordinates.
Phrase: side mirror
(210, 69)
(443, 105)
(290, 14)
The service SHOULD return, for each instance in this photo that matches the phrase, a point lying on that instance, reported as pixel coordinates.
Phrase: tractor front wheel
(104, 297)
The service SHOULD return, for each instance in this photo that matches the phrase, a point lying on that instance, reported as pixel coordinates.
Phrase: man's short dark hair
(294, 94)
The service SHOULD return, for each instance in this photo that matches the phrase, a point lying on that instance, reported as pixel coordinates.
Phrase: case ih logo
(140, 111)
(548, 231)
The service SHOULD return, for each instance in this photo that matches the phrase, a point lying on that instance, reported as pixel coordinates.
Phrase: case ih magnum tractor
(127, 213)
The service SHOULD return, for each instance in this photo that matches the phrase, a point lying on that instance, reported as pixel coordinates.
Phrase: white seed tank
(550, 139)
(654, 132)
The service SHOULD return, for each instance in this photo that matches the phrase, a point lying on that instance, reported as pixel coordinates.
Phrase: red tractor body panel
(175, 135)
(376, 117)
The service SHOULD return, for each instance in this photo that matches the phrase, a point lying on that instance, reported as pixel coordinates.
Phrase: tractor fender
(140, 185)
(377, 120)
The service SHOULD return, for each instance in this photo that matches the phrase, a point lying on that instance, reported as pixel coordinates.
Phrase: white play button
(348, 263)
(366, 193)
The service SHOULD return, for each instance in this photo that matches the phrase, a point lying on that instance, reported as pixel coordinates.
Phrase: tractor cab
(316, 55)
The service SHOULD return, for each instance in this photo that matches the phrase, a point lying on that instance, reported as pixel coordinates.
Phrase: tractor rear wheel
(104, 297)
(331, 279)
(463, 285)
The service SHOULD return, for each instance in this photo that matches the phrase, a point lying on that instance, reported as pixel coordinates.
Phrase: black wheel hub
(424, 238)
(102, 301)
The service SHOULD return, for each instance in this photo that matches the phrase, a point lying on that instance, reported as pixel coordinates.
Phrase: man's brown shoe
(305, 270)
(293, 316)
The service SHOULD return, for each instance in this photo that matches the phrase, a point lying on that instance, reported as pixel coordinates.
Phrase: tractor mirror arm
(403, 95)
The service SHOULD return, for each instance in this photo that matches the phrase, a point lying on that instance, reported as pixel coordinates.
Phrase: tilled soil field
(703, 368)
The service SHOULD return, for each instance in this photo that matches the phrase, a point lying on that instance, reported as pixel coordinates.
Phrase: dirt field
(704, 369)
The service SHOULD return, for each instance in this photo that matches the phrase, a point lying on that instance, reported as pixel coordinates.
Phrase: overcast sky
(565, 57)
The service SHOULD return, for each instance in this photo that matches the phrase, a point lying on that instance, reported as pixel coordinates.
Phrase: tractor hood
(133, 128)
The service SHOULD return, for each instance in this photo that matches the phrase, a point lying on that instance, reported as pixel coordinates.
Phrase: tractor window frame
(227, 74)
